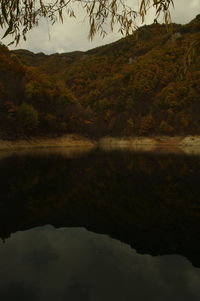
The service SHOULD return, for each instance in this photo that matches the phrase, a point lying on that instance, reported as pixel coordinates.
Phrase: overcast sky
(73, 34)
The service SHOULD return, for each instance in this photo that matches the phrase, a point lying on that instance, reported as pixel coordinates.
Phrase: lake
(99, 225)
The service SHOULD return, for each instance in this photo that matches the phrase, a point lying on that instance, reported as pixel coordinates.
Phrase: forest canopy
(19, 16)
(132, 87)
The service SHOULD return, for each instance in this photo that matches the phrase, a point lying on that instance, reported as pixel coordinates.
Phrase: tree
(27, 117)
(17, 17)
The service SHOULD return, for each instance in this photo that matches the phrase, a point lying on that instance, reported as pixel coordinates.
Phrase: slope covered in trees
(31, 103)
(138, 85)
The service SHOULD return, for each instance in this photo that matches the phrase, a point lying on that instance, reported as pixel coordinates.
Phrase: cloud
(73, 34)
(76, 264)
(184, 13)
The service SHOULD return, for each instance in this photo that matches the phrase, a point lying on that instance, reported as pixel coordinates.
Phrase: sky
(72, 35)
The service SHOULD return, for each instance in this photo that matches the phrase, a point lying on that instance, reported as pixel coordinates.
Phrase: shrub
(165, 128)
(27, 117)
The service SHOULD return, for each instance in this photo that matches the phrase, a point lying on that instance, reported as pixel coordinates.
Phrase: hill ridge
(136, 86)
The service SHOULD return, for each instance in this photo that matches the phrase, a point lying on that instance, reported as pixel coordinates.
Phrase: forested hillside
(136, 86)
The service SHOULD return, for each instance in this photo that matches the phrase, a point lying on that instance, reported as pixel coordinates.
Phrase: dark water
(141, 212)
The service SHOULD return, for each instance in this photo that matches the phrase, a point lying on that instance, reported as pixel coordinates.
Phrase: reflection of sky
(77, 265)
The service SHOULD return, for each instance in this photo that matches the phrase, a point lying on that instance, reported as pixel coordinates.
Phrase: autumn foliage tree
(129, 87)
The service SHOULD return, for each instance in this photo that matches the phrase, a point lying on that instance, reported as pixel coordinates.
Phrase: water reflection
(67, 152)
(74, 264)
(148, 200)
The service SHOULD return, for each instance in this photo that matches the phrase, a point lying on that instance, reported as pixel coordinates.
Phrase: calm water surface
(84, 226)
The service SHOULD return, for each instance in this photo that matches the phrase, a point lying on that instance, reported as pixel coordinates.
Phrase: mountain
(136, 86)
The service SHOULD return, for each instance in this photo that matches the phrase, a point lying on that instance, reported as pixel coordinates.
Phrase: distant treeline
(136, 86)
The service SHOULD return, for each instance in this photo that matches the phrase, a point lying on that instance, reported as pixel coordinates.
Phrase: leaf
(4, 13)
(11, 43)
(10, 28)
(60, 15)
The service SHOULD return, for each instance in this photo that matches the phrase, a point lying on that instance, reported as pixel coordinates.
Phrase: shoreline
(157, 141)
(105, 143)
(39, 142)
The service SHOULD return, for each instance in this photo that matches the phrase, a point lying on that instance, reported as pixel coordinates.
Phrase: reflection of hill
(149, 201)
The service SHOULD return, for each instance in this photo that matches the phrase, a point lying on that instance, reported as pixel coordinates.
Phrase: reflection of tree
(150, 201)
(77, 292)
